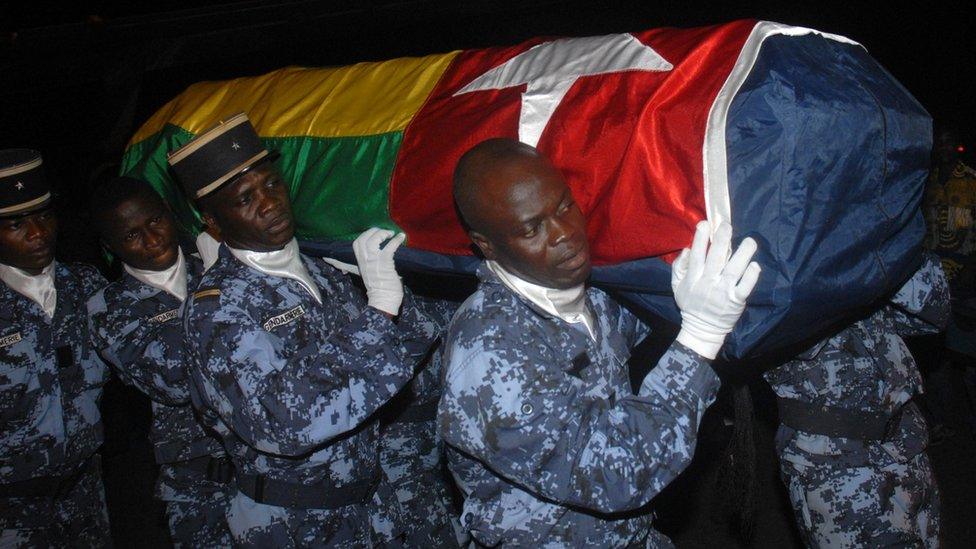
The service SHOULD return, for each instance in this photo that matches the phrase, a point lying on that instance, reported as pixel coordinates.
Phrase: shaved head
(519, 212)
(477, 171)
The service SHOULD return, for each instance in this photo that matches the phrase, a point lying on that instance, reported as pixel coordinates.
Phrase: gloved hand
(347, 268)
(711, 289)
(384, 290)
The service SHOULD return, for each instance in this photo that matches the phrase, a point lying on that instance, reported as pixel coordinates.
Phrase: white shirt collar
(38, 288)
(569, 304)
(171, 280)
(286, 263)
(209, 249)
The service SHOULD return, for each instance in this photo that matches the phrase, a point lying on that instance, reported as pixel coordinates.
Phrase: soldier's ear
(209, 220)
(483, 244)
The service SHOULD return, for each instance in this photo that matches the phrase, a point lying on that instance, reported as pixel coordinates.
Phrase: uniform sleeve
(289, 401)
(631, 327)
(921, 305)
(147, 355)
(97, 372)
(91, 280)
(544, 433)
(420, 325)
(423, 321)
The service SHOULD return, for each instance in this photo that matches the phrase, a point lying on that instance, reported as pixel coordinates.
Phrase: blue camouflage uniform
(863, 490)
(411, 453)
(137, 328)
(50, 426)
(292, 385)
(545, 437)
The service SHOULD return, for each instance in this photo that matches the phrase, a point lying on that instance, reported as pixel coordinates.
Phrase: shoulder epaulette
(203, 294)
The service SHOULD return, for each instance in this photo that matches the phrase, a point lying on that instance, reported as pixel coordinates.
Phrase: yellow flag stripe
(356, 100)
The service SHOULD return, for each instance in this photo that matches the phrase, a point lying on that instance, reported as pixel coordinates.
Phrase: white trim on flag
(714, 154)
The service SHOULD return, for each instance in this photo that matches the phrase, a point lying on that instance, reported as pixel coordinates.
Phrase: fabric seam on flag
(396, 159)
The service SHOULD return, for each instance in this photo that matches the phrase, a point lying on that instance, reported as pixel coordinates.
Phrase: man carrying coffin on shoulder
(288, 361)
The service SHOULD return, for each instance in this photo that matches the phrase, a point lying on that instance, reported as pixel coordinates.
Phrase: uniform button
(526, 408)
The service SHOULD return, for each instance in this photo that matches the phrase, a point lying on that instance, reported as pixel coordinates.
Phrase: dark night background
(78, 78)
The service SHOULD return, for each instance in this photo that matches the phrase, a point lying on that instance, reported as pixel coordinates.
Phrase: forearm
(554, 439)
(291, 403)
(921, 305)
(151, 360)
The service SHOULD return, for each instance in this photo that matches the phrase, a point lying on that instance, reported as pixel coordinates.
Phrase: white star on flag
(550, 69)
(19, 185)
(235, 146)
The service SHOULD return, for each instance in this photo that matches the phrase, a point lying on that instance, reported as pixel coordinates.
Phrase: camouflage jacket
(291, 384)
(50, 380)
(866, 367)
(545, 438)
(425, 387)
(137, 329)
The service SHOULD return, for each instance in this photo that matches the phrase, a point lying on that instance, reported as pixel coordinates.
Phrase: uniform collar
(171, 280)
(283, 263)
(38, 288)
(208, 248)
(570, 305)
(141, 290)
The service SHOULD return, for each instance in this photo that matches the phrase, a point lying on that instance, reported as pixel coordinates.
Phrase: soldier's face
(254, 212)
(27, 242)
(142, 233)
(532, 226)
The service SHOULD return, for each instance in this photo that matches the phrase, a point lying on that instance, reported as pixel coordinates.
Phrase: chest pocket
(72, 354)
(587, 373)
(18, 365)
(579, 363)
(291, 325)
(13, 387)
(70, 371)
(164, 317)
(14, 349)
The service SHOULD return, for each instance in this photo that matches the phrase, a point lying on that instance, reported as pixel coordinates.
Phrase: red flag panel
(629, 143)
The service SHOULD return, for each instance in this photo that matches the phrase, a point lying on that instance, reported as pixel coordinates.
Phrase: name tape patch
(8, 340)
(165, 317)
(284, 318)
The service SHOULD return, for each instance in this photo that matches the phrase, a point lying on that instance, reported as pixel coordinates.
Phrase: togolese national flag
(622, 116)
(338, 132)
(795, 137)
(375, 144)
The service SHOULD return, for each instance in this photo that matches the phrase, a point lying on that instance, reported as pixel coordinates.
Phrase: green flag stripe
(339, 185)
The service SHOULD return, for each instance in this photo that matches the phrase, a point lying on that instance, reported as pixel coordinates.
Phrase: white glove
(347, 268)
(384, 290)
(711, 289)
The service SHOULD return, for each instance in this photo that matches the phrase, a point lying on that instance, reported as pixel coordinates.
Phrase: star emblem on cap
(235, 146)
(19, 186)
